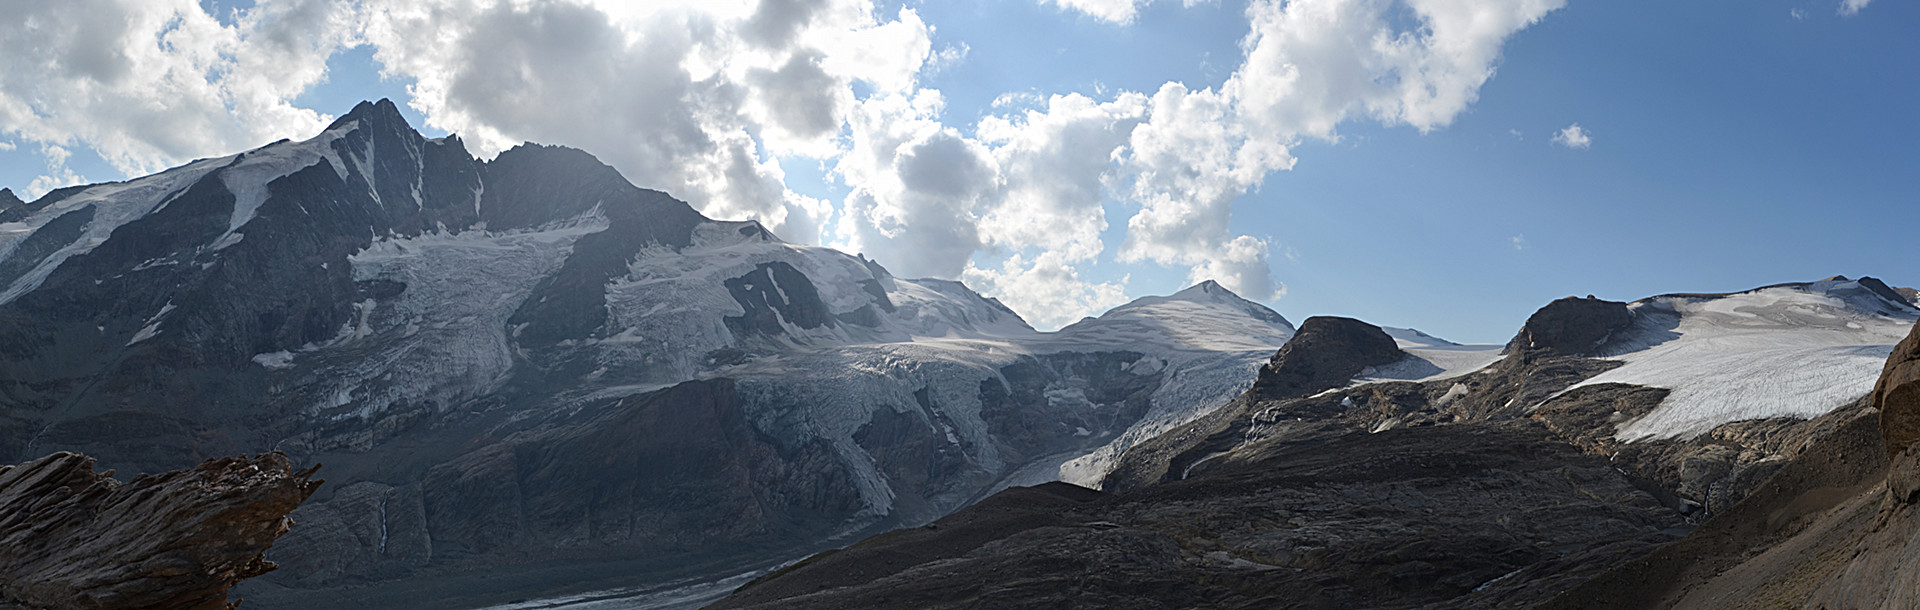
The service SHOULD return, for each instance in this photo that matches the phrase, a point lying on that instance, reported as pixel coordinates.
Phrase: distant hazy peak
(1410, 337)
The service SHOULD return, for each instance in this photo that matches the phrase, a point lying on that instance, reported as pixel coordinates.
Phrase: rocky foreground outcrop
(74, 538)
(1836, 528)
(1434, 517)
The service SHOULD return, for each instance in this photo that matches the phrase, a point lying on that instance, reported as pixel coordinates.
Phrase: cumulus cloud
(1047, 290)
(696, 99)
(1120, 12)
(147, 84)
(1116, 11)
(1574, 137)
(1519, 242)
(1309, 66)
(704, 98)
(1852, 7)
(58, 174)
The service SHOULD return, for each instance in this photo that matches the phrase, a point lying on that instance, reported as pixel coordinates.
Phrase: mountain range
(527, 362)
(526, 378)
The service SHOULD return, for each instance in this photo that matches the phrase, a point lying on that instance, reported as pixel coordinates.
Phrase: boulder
(1327, 352)
(1570, 326)
(1897, 395)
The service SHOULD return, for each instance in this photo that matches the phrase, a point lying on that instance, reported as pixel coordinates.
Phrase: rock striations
(74, 538)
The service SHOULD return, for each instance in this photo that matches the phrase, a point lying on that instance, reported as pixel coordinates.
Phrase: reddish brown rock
(74, 538)
(1897, 395)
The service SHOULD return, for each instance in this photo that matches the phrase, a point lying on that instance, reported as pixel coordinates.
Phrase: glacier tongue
(444, 334)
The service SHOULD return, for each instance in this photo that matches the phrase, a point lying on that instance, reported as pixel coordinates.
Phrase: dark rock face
(1496, 489)
(1911, 295)
(1833, 528)
(774, 293)
(1571, 326)
(1005, 514)
(1018, 410)
(8, 199)
(1450, 516)
(1325, 353)
(53, 236)
(536, 184)
(674, 476)
(1897, 395)
(73, 538)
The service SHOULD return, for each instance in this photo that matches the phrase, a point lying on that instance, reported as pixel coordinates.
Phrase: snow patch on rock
(115, 204)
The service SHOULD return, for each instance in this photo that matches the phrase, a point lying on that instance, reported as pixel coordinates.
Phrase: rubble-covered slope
(1835, 529)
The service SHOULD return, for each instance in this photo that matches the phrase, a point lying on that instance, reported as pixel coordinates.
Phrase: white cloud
(5, 145)
(1574, 137)
(1047, 291)
(1852, 7)
(1116, 11)
(147, 84)
(1120, 12)
(1310, 65)
(58, 174)
(1798, 14)
(1055, 163)
(704, 98)
(1519, 242)
(1029, 184)
(697, 100)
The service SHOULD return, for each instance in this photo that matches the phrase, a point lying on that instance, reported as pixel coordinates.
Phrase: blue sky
(1729, 145)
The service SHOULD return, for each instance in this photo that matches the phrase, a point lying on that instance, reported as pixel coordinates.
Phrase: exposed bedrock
(674, 473)
(1898, 395)
(1325, 353)
(1571, 326)
(74, 538)
(1834, 528)
(1467, 516)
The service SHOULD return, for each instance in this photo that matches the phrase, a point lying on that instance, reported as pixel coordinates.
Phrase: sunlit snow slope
(1429, 358)
(1794, 350)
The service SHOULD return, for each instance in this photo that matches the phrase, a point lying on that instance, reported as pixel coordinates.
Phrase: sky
(1447, 165)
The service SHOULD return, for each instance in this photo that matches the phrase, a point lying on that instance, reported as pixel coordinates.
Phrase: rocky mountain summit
(74, 538)
(530, 367)
(1330, 484)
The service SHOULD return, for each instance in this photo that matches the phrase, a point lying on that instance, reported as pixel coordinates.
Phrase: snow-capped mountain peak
(1203, 317)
